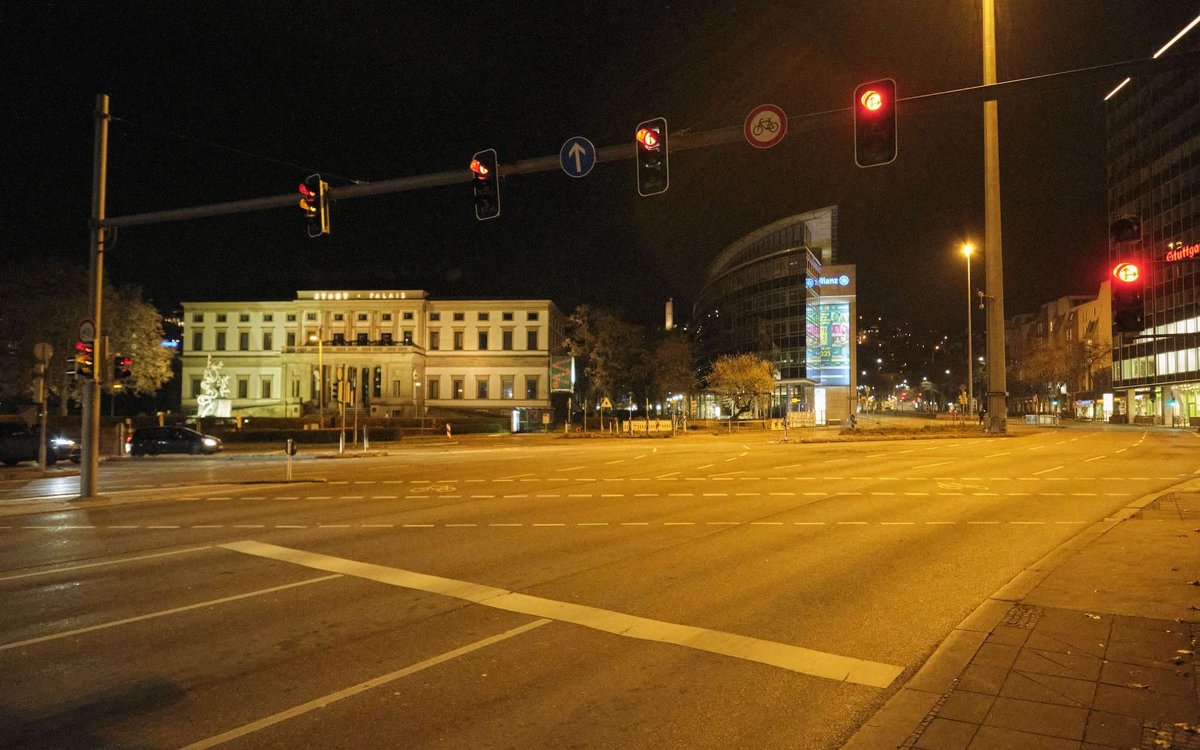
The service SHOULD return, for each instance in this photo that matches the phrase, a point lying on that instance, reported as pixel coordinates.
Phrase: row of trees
(45, 302)
(1050, 365)
(628, 364)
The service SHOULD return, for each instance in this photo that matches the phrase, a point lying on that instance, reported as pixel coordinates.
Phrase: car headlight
(62, 442)
(210, 442)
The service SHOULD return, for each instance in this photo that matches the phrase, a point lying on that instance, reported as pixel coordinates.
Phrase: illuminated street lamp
(320, 373)
(967, 249)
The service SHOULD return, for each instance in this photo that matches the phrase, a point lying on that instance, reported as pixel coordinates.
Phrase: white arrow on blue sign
(577, 156)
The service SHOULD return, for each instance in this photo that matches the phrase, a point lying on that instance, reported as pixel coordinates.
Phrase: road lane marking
(361, 687)
(785, 656)
(518, 476)
(930, 466)
(164, 613)
(1094, 458)
(85, 566)
(571, 468)
(1047, 471)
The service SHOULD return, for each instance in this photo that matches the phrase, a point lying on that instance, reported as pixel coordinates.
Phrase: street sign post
(577, 156)
(765, 126)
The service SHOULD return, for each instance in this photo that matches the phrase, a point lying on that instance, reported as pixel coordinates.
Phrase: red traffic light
(1126, 272)
(479, 168)
(871, 99)
(648, 137)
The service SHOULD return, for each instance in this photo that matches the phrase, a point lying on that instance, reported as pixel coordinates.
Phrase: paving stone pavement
(1091, 648)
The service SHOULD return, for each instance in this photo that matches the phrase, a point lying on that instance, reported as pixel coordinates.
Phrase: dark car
(20, 443)
(155, 440)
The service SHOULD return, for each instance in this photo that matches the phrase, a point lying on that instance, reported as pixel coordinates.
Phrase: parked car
(155, 440)
(19, 442)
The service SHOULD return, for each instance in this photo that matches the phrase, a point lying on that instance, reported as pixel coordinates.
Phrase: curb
(894, 723)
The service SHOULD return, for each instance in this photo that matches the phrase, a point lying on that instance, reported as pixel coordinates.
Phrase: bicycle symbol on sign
(766, 124)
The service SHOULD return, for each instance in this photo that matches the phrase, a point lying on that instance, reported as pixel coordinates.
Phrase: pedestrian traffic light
(650, 139)
(315, 204)
(1128, 297)
(875, 123)
(122, 368)
(485, 183)
(85, 360)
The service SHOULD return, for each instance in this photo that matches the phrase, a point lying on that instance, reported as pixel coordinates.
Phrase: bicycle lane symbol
(765, 126)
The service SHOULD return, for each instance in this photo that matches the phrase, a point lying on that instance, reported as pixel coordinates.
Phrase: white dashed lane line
(518, 524)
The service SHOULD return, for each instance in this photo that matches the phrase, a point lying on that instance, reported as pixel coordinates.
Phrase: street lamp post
(320, 373)
(967, 249)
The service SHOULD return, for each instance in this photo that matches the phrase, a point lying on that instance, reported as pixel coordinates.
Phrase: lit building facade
(401, 353)
(1154, 178)
(777, 293)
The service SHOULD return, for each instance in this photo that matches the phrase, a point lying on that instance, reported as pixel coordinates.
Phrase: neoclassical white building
(401, 353)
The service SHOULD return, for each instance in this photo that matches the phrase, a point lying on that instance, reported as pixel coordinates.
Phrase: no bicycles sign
(765, 126)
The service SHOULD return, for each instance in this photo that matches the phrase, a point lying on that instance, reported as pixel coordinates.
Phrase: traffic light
(651, 141)
(85, 360)
(122, 368)
(485, 182)
(1128, 297)
(315, 204)
(875, 123)
(1125, 229)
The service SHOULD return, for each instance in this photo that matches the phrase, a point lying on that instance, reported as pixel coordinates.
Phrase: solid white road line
(107, 562)
(782, 655)
(1047, 471)
(353, 690)
(164, 613)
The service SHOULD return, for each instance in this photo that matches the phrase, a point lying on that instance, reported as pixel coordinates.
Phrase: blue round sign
(577, 156)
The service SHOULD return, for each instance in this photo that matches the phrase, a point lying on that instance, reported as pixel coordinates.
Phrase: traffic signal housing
(485, 184)
(314, 202)
(1128, 297)
(650, 138)
(875, 123)
(85, 360)
(122, 368)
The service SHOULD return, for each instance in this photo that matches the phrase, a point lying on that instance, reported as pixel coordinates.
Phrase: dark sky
(377, 90)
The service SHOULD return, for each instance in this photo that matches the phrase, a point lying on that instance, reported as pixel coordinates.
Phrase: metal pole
(89, 449)
(993, 260)
(41, 369)
(970, 341)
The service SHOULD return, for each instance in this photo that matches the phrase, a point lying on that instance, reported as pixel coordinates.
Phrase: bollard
(290, 450)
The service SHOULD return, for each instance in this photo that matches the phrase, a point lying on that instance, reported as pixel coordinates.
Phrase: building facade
(777, 293)
(1154, 179)
(399, 353)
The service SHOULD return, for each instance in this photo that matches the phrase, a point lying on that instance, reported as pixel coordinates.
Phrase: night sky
(222, 101)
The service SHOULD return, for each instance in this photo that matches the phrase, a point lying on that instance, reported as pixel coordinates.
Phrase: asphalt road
(693, 592)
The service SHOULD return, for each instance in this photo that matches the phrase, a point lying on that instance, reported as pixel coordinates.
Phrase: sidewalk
(1092, 647)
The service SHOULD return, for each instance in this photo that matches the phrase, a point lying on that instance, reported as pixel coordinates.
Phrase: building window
(435, 388)
(339, 316)
(506, 341)
(386, 316)
(458, 341)
(197, 317)
(385, 339)
(361, 339)
(396, 389)
(460, 316)
(362, 316)
(435, 340)
(243, 341)
(531, 339)
(531, 387)
(484, 316)
(268, 341)
(339, 339)
(291, 317)
(481, 386)
(244, 318)
(408, 315)
(197, 341)
(407, 338)
(220, 317)
(295, 387)
(310, 316)
(195, 387)
(531, 316)
(243, 385)
(506, 316)
(435, 316)
(220, 341)
(506, 386)
(266, 387)
(483, 342)
(457, 387)
(291, 338)
(268, 317)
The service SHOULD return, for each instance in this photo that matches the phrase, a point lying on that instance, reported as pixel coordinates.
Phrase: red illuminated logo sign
(1179, 251)
(1126, 272)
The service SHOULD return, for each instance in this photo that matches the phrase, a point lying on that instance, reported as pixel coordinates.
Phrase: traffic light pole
(89, 450)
